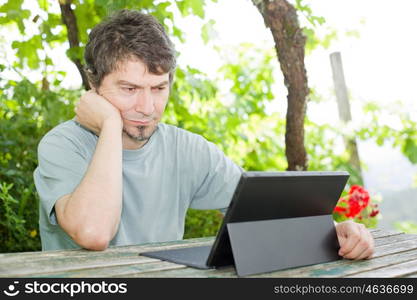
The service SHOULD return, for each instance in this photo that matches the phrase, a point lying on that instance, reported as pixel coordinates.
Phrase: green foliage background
(237, 121)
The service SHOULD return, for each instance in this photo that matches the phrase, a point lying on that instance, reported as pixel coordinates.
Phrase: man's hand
(93, 110)
(356, 242)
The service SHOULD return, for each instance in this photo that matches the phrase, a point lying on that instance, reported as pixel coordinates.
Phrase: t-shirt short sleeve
(216, 177)
(61, 166)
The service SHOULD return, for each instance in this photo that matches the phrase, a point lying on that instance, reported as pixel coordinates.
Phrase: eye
(159, 88)
(129, 89)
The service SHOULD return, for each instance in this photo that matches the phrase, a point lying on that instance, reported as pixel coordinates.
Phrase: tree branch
(69, 19)
(281, 18)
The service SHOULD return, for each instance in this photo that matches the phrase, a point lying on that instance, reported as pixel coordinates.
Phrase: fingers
(351, 236)
(366, 254)
(362, 242)
(362, 249)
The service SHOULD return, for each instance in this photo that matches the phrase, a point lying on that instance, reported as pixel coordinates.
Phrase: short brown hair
(126, 34)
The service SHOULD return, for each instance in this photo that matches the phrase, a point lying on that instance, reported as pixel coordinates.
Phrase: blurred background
(228, 87)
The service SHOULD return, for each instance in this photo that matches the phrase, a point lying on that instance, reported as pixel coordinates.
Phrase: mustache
(139, 118)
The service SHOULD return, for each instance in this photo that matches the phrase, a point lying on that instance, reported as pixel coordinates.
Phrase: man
(115, 175)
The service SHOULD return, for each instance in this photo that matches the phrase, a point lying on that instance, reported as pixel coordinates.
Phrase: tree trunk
(281, 18)
(68, 18)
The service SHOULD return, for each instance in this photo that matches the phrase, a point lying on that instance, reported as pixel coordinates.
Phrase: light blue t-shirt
(173, 171)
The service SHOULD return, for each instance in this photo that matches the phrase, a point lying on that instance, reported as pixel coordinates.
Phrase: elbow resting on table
(92, 240)
(92, 234)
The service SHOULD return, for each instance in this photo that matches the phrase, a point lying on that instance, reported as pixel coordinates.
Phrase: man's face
(141, 97)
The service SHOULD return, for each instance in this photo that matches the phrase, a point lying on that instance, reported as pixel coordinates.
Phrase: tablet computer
(261, 196)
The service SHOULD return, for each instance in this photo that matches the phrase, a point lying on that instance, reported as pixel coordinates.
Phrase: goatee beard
(141, 136)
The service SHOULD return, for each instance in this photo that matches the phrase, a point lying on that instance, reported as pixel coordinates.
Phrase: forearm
(91, 213)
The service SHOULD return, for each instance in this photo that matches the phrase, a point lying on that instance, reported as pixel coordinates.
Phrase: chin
(140, 133)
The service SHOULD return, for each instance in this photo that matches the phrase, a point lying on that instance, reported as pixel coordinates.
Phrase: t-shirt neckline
(137, 153)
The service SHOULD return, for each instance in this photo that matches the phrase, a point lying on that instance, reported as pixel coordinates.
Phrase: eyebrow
(121, 82)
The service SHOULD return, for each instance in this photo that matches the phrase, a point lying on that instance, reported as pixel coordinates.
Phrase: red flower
(355, 202)
(354, 188)
(340, 209)
(358, 199)
(374, 213)
(354, 208)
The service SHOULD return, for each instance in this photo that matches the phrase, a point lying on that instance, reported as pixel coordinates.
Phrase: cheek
(159, 108)
(122, 103)
(113, 96)
(161, 103)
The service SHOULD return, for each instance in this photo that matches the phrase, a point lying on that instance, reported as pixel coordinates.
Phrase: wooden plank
(14, 266)
(345, 268)
(394, 239)
(381, 233)
(64, 265)
(83, 255)
(395, 270)
(74, 255)
(77, 253)
(228, 272)
(115, 271)
(384, 233)
(397, 247)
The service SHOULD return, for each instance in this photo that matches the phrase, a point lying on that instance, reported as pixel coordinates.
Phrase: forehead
(135, 71)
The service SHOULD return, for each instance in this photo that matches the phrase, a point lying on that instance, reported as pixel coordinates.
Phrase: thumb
(342, 239)
(341, 235)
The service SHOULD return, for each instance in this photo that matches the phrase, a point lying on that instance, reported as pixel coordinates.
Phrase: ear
(92, 86)
(89, 75)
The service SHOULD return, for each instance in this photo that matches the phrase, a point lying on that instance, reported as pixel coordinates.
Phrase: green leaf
(14, 14)
(27, 51)
(48, 61)
(75, 53)
(197, 7)
(208, 32)
(43, 4)
(187, 7)
(410, 150)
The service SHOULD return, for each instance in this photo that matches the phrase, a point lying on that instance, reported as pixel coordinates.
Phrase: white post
(344, 106)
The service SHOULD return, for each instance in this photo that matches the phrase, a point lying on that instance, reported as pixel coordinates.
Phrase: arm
(91, 213)
(215, 176)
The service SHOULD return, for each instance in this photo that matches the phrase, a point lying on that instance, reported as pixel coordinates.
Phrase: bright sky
(379, 66)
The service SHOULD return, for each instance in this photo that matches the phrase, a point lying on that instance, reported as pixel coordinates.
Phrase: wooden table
(395, 256)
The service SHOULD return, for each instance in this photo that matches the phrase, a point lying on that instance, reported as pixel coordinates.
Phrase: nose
(145, 103)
